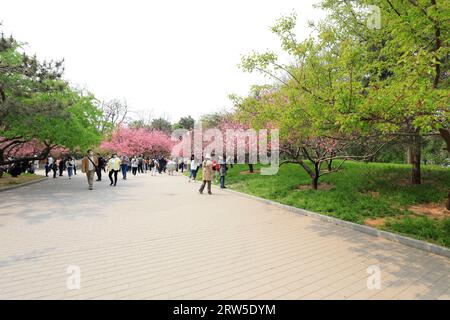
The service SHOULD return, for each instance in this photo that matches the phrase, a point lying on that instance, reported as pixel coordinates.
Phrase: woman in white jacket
(134, 165)
(193, 169)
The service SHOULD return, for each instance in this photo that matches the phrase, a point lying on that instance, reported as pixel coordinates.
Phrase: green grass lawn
(7, 181)
(376, 194)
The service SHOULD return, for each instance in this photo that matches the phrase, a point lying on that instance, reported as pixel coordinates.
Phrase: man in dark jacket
(62, 166)
(100, 167)
(141, 164)
(161, 164)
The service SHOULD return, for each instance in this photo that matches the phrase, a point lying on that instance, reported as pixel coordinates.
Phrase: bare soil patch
(256, 171)
(322, 186)
(434, 210)
(375, 222)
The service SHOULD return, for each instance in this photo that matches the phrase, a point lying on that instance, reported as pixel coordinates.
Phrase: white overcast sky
(176, 58)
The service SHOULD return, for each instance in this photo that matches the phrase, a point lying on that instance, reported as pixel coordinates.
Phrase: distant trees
(161, 124)
(143, 119)
(185, 123)
(214, 119)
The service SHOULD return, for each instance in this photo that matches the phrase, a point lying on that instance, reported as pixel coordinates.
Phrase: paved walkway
(157, 238)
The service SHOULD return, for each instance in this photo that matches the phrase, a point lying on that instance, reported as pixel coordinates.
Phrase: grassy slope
(7, 181)
(361, 191)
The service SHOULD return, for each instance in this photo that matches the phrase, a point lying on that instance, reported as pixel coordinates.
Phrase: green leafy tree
(375, 82)
(138, 124)
(214, 119)
(309, 97)
(185, 123)
(407, 67)
(405, 71)
(38, 105)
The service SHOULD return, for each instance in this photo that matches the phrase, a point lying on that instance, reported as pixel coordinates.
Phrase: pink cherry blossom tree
(131, 142)
(241, 140)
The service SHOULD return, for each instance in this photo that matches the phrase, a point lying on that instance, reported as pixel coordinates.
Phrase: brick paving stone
(157, 238)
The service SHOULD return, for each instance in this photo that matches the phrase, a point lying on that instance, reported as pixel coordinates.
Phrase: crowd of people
(97, 165)
(59, 165)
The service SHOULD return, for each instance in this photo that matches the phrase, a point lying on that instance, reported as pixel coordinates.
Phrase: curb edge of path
(23, 184)
(418, 244)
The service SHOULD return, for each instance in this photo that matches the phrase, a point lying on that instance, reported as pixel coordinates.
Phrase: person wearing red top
(216, 168)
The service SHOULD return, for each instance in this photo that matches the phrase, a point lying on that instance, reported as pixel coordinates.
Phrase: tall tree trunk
(250, 168)
(315, 176)
(409, 155)
(315, 183)
(416, 159)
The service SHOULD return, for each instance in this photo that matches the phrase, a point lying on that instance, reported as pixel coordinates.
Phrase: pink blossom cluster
(27, 149)
(131, 142)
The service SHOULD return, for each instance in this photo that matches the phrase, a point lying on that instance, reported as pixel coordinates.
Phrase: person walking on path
(70, 166)
(125, 162)
(182, 165)
(140, 164)
(49, 165)
(154, 167)
(134, 165)
(207, 174)
(55, 165)
(193, 169)
(47, 168)
(62, 166)
(35, 164)
(216, 169)
(89, 166)
(113, 167)
(223, 172)
(101, 166)
(74, 166)
(160, 164)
